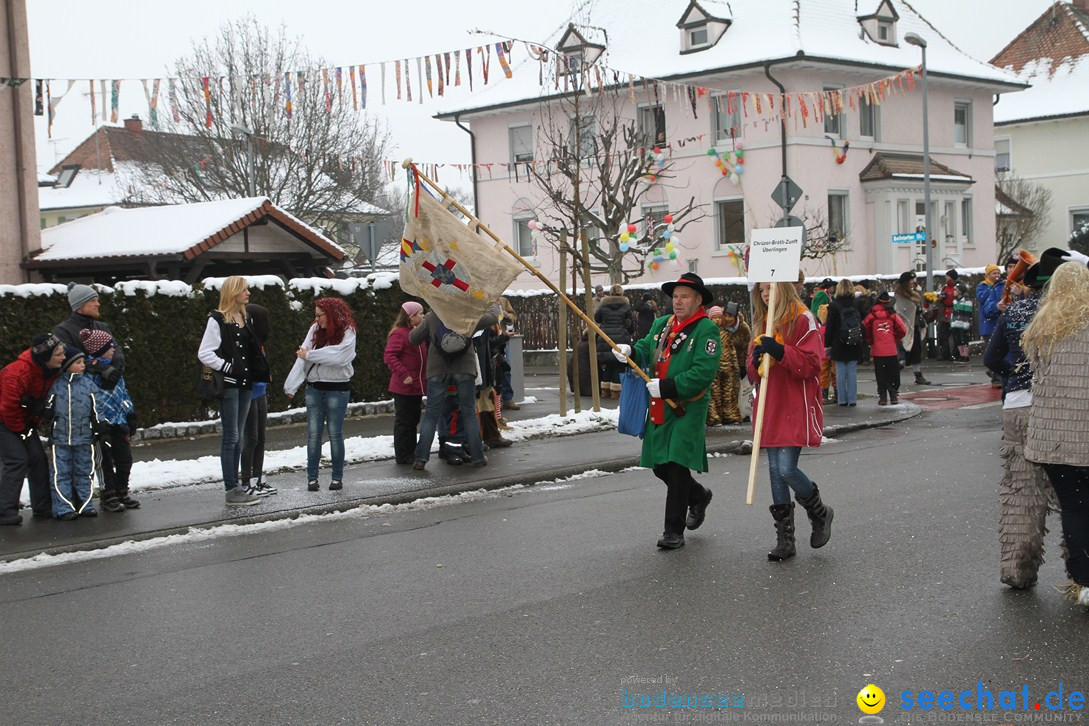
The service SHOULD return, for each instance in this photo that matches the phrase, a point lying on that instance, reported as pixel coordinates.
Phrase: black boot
(820, 516)
(784, 531)
(920, 381)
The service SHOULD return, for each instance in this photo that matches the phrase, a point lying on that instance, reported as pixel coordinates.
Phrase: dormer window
(578, 49)
(881, 25)
(67, 176)
(702, 25)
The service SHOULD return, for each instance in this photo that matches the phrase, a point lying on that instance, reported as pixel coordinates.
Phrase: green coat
(692, 369)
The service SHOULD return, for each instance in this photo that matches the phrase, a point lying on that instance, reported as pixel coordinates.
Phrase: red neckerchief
(661, 368)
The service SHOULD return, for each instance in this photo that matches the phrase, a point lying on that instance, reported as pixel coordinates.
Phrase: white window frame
(905, 218)
(965, 105)
(1008, 141)
(657, 210)
(526, 245)
(692, 43)
(1074, 212)
(967, 238)
(841, 118)
(511, 132)
(884, 31)
(720, 241)
(643, 111)
(587, 142)
(844, 195)
(875, 114)
(717, 114)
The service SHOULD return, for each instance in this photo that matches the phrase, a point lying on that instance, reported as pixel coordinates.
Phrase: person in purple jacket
(407, 363)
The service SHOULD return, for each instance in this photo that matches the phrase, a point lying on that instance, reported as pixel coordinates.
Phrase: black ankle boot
(783, 514)
(920, 380)
(820, 516)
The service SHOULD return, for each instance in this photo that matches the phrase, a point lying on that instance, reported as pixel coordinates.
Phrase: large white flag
(458, 272)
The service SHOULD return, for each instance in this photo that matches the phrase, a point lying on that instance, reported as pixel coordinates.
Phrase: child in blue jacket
(118, 415)
(75, 419)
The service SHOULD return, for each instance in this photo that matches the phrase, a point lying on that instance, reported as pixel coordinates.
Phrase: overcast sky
(125, 39)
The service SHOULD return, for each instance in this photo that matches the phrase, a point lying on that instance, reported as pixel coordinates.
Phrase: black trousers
(406, 417)
(23, 459)
(116, 462)
(1072, 486)
(887, 370)
(943, 340)
(253, 440)
(681, 488)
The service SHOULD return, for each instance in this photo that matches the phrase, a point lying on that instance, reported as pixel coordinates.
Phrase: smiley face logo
(871, 699)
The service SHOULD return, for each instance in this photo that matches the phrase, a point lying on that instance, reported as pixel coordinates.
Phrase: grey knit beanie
(78, 295)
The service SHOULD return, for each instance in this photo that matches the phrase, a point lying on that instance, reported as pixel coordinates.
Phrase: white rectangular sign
(775, 254)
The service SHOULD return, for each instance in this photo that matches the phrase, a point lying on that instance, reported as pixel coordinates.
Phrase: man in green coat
(683, 349)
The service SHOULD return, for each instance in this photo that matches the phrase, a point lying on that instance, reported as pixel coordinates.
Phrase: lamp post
(249, 158)
(915, 39)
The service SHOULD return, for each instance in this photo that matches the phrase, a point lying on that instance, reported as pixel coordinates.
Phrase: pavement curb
(528, 479)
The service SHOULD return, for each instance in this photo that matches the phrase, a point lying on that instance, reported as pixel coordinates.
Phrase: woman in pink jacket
(794, 417)
(407, 363)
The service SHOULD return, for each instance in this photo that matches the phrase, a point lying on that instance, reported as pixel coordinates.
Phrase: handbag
(634, 402)
(210, 384)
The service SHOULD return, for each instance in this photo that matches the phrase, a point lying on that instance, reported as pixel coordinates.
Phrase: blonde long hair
(228, 297)
(1063, 311)
(788, 307)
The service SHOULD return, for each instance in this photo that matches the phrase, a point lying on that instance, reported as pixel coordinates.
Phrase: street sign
(909, 238)
(786, 194)
(775, 254)
(369, 237)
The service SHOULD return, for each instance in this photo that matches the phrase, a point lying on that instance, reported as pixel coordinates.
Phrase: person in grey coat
(83, 301)
(451, 361)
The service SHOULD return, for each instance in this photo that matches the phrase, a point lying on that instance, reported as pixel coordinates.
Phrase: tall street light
(915, 39)
(249, 159)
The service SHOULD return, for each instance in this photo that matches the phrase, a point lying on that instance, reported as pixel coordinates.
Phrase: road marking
(990, 404)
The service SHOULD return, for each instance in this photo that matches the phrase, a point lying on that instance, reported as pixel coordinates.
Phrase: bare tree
(1025, 214)
(613, 166)
(1079, 238)
(321, 161)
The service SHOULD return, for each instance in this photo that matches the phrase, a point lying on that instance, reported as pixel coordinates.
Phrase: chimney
(134, 124)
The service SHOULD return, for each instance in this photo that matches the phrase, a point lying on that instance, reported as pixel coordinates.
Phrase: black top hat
(826, 283)
(692, 280)
(1041, 272)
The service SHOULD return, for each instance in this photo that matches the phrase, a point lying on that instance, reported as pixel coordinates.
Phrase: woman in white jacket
(324, 363)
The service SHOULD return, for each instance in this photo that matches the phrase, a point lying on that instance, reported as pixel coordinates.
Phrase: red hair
(338, 318)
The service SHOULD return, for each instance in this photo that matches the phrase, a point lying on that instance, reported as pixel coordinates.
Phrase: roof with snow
(180, 229)
(909, 166)
(642, 39)
(1052, 54)
(89, 188)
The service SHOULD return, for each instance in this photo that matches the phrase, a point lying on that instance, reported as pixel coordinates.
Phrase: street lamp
(915, 39)
(249, 161)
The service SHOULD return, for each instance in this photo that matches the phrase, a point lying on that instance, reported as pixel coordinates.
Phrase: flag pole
(446, 199)
(758, 425)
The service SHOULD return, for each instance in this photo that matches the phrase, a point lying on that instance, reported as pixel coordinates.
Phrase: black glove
(769, 345)
(133, 420)
(100, 428)
(110, 376)
(34, 407)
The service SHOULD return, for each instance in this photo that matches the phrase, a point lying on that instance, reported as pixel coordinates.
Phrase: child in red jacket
(884, 329)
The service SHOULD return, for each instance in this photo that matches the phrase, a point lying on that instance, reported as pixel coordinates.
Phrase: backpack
(449, 344)
(850, 326)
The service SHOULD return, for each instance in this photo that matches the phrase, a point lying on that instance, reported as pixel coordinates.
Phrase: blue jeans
(233, 409)
(436, 396)
(846, 381)
(785, 474)
(325, 407)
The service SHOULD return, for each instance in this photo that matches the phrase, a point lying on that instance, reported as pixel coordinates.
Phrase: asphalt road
(551, 605)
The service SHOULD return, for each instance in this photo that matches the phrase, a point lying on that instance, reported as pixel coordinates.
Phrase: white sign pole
(774, 256)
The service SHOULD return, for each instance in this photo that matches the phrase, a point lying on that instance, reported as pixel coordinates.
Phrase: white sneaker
(1083, 596)
(263, 490)
(239, 497)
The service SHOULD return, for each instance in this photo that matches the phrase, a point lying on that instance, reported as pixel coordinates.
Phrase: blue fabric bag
(634, 402)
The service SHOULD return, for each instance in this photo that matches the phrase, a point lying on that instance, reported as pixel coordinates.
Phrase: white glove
(1075, 256)
(622, 352)
(654, 387)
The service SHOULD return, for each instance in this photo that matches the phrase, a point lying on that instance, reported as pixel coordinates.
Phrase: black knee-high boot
(820, 516)
(784, 531)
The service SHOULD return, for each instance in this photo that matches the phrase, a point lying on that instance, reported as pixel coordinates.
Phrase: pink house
(722, 75)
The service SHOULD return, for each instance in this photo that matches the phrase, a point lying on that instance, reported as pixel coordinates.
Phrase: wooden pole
(678, 408)
(758, 425)
(561, 338)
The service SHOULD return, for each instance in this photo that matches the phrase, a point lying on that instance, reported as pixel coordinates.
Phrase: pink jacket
(406, 359)
(794, 416)
(883, 329)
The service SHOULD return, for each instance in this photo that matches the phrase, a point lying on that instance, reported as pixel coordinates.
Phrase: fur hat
(991, 268)
(692, 280)
(80, 295)
(952, 273)
(906, 277)
(714, 312)
(96, 342)
(71, 355)
(42, 347)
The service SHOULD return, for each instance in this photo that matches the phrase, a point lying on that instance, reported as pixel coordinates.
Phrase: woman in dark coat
(646, 312)
(615, 318)
(840, 342)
